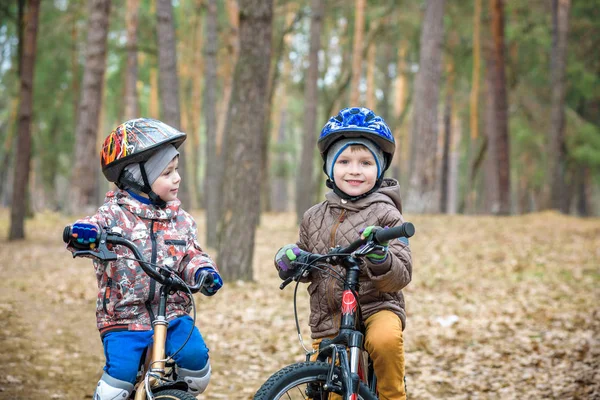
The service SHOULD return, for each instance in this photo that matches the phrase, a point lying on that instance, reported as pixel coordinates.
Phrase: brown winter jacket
(338, 222)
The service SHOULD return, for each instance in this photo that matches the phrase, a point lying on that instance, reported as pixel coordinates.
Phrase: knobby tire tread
(296, 372)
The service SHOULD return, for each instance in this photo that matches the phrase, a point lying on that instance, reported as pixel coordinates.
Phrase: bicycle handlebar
(104, 254)
(407, 229)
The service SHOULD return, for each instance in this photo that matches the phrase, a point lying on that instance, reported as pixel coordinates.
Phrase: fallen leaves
(498, 308)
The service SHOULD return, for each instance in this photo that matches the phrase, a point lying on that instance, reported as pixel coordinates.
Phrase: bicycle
(353, 376)
(157, 378)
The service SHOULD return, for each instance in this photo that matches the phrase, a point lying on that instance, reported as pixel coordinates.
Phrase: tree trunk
(23, 158)
(491, 189)
(474, 95)
(229, 65)
(212, 180)
(243, 147)
(371, 100)
(168, 83)
(357, 54)
(454, 163)
(305, 183)
(85, 172)
(501, 108)
(423, 185)
(280, 180)
(131, 98)
(557, 151)
(445, 167)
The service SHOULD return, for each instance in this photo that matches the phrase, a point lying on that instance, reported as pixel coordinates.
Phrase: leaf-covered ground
(498, 308)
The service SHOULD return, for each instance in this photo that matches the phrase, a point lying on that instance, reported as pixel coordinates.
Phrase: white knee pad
(110, 388)
(197, 381)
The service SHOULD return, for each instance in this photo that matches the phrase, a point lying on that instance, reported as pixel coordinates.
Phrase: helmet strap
(147, 188)
(331, 185)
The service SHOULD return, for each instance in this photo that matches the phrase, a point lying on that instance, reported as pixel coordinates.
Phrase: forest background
(494, 107)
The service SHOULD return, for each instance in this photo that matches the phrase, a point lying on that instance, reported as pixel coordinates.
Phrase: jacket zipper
(333, 282)
(152, 281)
(107, 294)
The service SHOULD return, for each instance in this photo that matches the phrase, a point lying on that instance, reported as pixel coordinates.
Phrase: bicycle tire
(173, 394)
(293, 381)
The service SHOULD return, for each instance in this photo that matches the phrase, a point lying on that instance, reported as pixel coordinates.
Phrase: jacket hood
(389, 192)
(146, 211)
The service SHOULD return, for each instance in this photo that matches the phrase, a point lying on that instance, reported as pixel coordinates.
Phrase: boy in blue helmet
(357, 147)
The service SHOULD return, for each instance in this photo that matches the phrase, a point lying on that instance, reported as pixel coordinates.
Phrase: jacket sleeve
(303, 241)
(395, 272)
(194, 258)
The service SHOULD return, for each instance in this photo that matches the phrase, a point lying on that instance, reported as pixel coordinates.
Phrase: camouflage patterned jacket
(127, 297)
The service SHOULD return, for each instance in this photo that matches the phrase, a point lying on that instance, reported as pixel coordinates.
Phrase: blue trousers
(123, 349)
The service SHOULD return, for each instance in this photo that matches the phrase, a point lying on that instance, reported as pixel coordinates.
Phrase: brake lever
(102, 252)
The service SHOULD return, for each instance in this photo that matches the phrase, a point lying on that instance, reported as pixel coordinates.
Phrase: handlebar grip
(67, 234)
(406, 230)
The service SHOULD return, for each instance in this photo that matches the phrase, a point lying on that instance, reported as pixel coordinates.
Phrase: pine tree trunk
(423, 189)
(371, 101)
(490, 182)
(357, 56)
(23, 158)
(212, 180)
(474, 95)
(131, 98)
(557, 151)
(501, 108)
(243, 147)
(85, 171)
(445, 167)
(168, 83)
(305, 182)
(454, 163)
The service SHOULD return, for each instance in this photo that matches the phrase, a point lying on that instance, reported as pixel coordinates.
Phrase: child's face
(355, 171)
(167, 184)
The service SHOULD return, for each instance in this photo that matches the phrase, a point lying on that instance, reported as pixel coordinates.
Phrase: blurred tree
(85, 167)
(23, 156)
(305, 181)
(131, 98)
(242, 151)
(557, 151)
(357, 54)
(214, 167)
(423, 185)
(501, 136)
(169, 86)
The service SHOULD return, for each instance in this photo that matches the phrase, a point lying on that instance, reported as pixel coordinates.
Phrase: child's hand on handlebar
(84, 235)
(286, 258)
(212, 282)
(379, 253)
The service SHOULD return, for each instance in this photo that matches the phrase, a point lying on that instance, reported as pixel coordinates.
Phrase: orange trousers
(385, 344)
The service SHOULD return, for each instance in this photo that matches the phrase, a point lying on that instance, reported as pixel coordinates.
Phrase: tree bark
(423, 188)
(557, 150)
(474, 95)
(212, 180)
(23, 158)
(448, 110)
(357, 54)
(85, 171)
(305, 182)
(131, 98)
(501, 108)
(243, 147)
(168, 83)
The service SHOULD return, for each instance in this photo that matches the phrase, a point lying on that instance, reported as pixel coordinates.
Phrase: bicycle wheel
(303, 381)
(173, 394)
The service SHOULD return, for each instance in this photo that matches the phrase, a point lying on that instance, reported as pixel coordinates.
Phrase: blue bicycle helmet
(355, 122)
